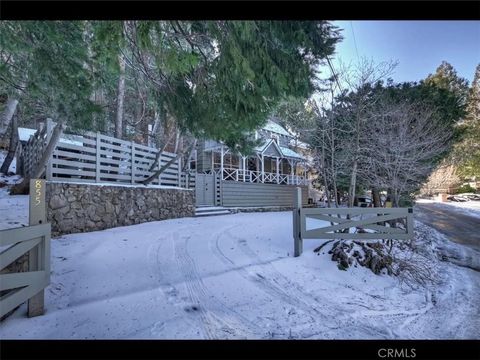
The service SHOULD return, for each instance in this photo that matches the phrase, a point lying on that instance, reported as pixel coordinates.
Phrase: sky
(418, 46)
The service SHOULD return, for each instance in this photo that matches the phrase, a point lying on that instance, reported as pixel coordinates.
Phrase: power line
(334, 74)
(354, 40)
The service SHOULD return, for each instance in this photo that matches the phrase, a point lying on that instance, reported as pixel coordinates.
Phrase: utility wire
(334, 74)
(354, 40)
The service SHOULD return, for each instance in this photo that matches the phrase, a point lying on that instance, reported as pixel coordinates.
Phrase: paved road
(458, 227)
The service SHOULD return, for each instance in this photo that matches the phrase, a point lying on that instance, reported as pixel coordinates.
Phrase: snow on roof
(276, 128)
(299, 144)
(290, 153)
(25, 133)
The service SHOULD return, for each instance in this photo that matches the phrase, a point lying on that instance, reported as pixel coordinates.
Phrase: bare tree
(359, 81)
(407, 141)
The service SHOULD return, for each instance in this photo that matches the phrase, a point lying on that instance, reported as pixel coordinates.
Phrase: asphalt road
(458, 227)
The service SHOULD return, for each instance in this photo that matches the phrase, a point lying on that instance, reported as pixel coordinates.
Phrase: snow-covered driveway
(232, 277)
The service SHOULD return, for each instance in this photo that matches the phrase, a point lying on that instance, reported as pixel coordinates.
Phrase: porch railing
(259, 177)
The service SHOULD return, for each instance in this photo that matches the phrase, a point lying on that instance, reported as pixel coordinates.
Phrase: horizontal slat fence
(244, 194)
(93, 157)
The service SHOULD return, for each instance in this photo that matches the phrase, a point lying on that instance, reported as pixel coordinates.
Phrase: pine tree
(43, 71)
(467, 151)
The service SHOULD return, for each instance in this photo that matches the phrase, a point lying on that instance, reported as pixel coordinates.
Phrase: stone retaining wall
(73, 208)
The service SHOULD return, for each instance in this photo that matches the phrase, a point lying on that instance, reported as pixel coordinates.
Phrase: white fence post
(297, 236)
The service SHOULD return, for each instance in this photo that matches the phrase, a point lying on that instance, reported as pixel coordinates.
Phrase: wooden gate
(366, 223)
(16, 286)
(23, 286)
(205, 189)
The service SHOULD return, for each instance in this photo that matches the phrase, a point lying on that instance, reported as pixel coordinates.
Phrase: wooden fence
(24, 285)
(372, 223)
(96, 158)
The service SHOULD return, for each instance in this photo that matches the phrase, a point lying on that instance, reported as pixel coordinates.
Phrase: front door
(205, 189)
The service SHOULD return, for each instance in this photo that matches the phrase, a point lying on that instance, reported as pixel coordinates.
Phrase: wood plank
(72, 163)
(72, 179)
(75, 156)
(11, 300)
(356, 223)
(108, 139)
(104, 176)
(14, 252)
(355, 211)
(12, 236)
(71, 147)
(16, 280)
(316, 234)
(72, 172)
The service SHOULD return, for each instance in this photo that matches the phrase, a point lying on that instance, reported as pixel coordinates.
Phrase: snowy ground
(233, 277)
(13, 209)
(471, 207)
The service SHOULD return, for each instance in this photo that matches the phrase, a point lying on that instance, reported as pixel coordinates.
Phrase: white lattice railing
(259, 177)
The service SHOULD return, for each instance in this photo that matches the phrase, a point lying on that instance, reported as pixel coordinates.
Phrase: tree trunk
(353, 184)
(376, 197)
(7, 115)
(12, 149)
(120, 98)
(167, 165)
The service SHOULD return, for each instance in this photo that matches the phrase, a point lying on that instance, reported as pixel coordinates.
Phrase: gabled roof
(290, 153)
(276, 128)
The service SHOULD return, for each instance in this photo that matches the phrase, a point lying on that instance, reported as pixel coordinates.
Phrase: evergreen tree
(467, 152)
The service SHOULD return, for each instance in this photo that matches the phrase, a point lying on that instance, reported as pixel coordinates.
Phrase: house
(267, 177)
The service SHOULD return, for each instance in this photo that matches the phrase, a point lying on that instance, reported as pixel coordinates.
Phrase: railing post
(158, 168)
(243, 167)
(297, 230)
(37, 215)
(132, 154)
(97, 158)
(49, 129)
(179, 162)
(277, 168)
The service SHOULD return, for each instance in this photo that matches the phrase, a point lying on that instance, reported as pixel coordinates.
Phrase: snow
(274, 127)
(25, 133)
(12, 168)
(471, 208)
(234, 277)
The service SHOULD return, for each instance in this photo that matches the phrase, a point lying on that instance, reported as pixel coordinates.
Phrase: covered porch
(271, 164)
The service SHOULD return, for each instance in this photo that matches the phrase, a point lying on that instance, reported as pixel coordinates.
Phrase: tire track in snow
(282, 282)
(270, 288)
(185, 264)
(338, 319)
(224, 325)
